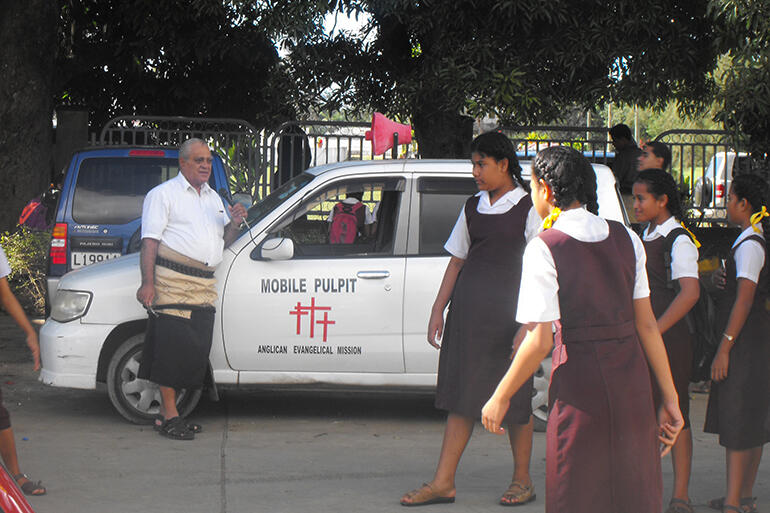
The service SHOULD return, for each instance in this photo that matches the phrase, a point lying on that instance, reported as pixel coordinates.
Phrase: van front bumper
(69, 353)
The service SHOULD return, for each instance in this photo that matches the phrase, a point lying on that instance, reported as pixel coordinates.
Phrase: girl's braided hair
(658, 183)
(753, 188)
(569, 175)
(499, 147)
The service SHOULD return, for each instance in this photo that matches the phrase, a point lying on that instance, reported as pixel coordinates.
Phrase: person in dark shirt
(625, 165)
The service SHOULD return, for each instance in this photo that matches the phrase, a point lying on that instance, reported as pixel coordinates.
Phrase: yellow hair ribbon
(697, 244)
(757, 217)
(551, 218)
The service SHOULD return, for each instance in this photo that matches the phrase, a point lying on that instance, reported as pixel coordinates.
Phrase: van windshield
(257, 212)
(111, 190)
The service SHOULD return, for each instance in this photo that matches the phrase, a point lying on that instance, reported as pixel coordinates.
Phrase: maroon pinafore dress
(678, 339)
(480, 325)
(739, 406)
(602, 451)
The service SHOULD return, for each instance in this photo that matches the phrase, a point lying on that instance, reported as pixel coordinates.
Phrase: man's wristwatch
(729, 338)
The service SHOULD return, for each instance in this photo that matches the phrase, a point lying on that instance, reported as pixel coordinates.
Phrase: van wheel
(540, 395)
(137, 399)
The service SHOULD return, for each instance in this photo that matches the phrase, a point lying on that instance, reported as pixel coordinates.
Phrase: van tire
(136, 399)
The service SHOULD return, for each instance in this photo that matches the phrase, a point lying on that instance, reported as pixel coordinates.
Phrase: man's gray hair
(184, 148)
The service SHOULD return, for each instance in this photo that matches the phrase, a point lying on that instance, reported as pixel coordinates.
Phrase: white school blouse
(684, 254)
(750, 257)
(192, 224)
(459, 242)
(539, 292)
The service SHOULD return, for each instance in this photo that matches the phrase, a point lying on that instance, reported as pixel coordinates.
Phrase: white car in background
(294, 310)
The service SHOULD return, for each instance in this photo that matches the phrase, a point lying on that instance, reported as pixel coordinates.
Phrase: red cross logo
(300, 311)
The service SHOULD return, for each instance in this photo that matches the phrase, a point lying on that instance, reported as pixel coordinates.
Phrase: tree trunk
(441, 134)
(28, 42)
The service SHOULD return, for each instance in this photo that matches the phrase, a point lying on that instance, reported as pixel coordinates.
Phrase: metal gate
(257, 161)
(593, 142)
(236, 141)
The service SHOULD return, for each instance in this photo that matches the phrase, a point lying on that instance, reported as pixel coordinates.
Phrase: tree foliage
(176, 57)
(744, 31)
(432, 61)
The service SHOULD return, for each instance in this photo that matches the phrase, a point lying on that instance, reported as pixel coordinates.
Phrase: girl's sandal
(730, 507)
(518, 494)
(30, 487)
(748, 504)
(425, 495)
(679, 506)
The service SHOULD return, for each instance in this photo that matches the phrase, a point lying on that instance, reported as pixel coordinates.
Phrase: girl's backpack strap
(668, 256)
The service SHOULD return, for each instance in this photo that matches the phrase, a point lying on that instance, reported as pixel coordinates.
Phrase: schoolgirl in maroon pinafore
(482, 280)
(672, 269)
(585, 276)
(739, 400)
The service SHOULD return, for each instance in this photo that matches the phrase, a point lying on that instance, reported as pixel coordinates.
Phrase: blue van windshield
(111, 190)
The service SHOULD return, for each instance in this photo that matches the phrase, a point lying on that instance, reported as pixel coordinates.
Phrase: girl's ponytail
(753, 188)
(569, 175)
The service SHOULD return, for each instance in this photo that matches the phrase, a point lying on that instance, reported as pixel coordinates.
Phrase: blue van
(99, 212)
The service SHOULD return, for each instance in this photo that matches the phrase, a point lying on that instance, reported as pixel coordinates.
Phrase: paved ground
(268, 452)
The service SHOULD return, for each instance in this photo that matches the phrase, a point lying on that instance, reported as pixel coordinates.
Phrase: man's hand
(237, 213)
(146, 294)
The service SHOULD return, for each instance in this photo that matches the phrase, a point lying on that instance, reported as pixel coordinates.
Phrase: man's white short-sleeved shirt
(539, 292)
(684, 254)
(192, 224)
(750, 256)
(459, 242)
(5, 267)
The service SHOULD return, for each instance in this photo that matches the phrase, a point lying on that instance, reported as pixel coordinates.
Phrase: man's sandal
(679, 506)
(730, 507)
(748, 504)
(424, 496)
(518, 494)
(30, 487)
(192, 426)
(176, 429)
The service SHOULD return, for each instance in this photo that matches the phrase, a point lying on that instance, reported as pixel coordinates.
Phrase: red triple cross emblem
(300, 310)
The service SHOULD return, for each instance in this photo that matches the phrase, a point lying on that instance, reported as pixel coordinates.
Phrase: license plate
(83, 258)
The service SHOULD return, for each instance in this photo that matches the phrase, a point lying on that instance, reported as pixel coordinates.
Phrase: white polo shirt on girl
(539, 292)
(5, 267)
(684, 254)
(750, 257)
(459, 242)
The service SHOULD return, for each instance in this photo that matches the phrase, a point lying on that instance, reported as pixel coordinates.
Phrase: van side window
(111, 190)
(441, 200)
(347, 218)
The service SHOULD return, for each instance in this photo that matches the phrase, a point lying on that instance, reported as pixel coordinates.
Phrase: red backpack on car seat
(345, 222)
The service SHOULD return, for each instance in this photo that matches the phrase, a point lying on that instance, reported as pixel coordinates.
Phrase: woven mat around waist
(173, 287)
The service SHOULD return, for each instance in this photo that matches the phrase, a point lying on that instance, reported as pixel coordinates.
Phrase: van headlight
(69, 305)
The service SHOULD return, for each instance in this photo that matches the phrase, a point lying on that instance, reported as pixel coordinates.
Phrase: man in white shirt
(185, 228)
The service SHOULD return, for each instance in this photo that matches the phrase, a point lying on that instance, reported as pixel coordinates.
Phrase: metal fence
(260, 160)
(592, 141)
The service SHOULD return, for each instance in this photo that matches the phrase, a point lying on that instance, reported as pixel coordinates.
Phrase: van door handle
(373, 275)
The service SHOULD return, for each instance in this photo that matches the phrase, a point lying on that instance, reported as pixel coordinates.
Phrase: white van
(294, 310)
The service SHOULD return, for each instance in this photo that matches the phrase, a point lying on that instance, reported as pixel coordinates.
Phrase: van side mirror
(278, 248)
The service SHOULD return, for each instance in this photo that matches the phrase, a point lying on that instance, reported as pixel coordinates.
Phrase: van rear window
(111, 190)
